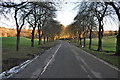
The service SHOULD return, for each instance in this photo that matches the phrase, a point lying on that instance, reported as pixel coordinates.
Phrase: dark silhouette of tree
(38, 18)
(116, 6)
(21, 11)
(100, 15)
(85, 20)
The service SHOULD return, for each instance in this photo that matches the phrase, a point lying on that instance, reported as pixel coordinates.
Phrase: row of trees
(91, 15)
(37, 14)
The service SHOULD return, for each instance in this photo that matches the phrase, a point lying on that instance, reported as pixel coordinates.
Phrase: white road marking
(84, 62)
(36, 73)
(84, 68)
(75, 52)
(44, 69)
(96, 74)
(102, 61)
(99, 59)
(89, 76)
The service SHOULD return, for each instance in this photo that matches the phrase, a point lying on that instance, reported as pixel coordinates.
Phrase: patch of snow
(16, 69)
(82, 46)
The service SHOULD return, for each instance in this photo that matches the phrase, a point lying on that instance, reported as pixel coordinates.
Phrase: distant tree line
(10, 32)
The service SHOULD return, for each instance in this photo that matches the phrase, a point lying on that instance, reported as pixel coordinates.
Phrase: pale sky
(65, 16)
(67, 13)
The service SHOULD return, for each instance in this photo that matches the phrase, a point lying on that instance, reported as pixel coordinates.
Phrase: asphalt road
(67, 61)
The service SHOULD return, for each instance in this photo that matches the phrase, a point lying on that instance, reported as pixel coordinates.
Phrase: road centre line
(44, 69)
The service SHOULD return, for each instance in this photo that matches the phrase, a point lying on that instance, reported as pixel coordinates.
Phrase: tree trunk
(39, 42)
(118, 44)
(47, 39)
(84, 41)
(39, 35)
(118, 36)
(18, 41)
(44, 39)
(100, 37)
(32, 39)
(90, 37)
(80, 41)
(53, 39)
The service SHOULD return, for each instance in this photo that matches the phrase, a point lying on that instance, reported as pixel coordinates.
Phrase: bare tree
(116, 6)
(21, 11)
(100, 13)
(85, 21)
(38, 18)
(92, 26)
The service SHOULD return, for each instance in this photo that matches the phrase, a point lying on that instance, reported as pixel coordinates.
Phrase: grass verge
(11, 58)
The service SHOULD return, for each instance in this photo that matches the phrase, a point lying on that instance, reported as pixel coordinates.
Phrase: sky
(65, 16)
(67, 13)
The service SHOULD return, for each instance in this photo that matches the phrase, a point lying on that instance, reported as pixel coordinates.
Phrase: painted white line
(99, 59)
(84, 63)
(84, 68)
(96, 74)
(44, 69)
(89, 76)
(80, 58)
(36, 73)
(102, 61)
(75, 52)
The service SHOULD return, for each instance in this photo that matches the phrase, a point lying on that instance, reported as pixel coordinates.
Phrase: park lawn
(11, 58)
(109, 47)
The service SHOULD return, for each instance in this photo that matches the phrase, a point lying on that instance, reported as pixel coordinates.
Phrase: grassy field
(109, 47)
(109, 44)
(10, 57)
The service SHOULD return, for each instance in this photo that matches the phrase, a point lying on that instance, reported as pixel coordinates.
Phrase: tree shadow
(103, 51)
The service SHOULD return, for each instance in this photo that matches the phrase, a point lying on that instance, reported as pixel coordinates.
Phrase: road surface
(67, 61)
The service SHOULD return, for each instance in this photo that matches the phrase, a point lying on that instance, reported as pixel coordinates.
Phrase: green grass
(109, 44)
(10, 42)
(10, 57)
